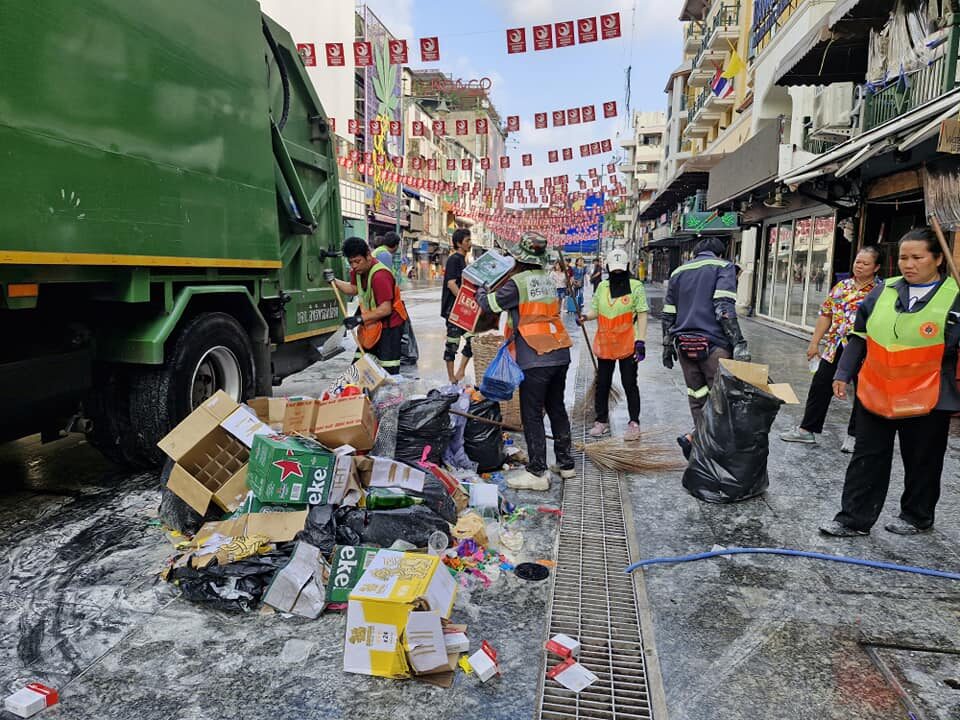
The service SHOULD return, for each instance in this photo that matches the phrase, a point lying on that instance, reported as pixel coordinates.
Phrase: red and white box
(572, 675)
(466, 312)
(484, 662)
(564, 646)
(31, 700)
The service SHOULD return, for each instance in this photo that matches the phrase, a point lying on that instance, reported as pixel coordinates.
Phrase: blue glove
(639, 350)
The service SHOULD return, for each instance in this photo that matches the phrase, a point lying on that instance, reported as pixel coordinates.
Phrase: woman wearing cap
(620, 306)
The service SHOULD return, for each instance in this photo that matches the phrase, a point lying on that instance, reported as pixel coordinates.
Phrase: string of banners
(562, 118)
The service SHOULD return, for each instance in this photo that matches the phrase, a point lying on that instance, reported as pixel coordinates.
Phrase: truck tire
(137, 405)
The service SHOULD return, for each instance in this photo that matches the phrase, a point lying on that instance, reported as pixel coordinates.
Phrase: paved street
(756, 636)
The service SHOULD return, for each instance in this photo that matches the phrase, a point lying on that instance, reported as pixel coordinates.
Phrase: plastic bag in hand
(503, 376)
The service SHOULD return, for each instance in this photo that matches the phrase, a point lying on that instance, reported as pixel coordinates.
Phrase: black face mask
(619, 283)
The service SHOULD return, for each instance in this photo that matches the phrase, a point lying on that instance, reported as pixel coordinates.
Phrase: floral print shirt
(841, 307)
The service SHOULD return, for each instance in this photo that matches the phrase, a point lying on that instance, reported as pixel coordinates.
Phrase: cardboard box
(298, 587)
(30, 700)
(210, 461)
(270, 410)
(465, 312)
(563, 646)
(347, 487)
(346, 421)
(484, 662)
(387, 473)
(299, 415)
(347, 567)
(392, 587)
(758, 375)
(365, 372)
(572, 675)
(489, 269)
(244, 425)
(290, 470)
(277, 526)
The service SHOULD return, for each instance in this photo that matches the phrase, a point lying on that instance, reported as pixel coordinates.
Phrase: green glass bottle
(390, 499)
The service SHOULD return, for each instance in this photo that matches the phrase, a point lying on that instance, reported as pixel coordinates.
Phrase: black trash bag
(320, 530)
(409, 350)
(436, 497)
(234, 587)
(176, 514)
(728, 462)
(424, 422)
(415, 525)
(483, 442)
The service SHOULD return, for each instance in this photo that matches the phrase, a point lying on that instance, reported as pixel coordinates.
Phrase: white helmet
(617, 259)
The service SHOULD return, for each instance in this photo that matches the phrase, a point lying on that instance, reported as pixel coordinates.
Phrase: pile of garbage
(371, 499)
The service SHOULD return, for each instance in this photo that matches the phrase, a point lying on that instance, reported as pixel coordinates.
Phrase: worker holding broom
(620, 307)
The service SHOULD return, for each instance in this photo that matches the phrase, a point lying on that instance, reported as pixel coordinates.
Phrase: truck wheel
(138, 405)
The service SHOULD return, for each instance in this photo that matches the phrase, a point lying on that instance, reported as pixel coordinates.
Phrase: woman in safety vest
(905, 335)
(620, 307)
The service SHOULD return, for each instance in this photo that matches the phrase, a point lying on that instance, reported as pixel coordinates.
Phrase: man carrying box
(382, 312)
(452, 279)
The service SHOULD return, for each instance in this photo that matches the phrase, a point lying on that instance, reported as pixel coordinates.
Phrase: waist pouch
(693, 347)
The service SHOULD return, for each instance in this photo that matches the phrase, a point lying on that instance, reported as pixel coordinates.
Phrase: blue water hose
(875, 564)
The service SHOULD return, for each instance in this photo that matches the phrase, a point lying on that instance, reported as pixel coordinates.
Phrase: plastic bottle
(814, 364)
(438, 542)
(389, 499)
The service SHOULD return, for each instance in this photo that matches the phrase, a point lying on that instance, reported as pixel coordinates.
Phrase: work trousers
(699, 376)
(923, 443)
(387, 349)
(820, 395)
(543, 388)
(452, 344)
(628, 377)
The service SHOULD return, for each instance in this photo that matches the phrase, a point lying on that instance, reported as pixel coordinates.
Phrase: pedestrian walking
(837, 315)
(452, 279)
(596, 274)
(386, 254)
(700, 324)
(904, 343)
(559, 282)
(620, 308)
(579, 278)
(542, 350)
(380, 318)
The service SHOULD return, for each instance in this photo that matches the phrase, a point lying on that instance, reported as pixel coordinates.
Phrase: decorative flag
(466, 164)
(592, 173)
(308, 53)
(552, 156)
(568, 153)
(527, 160)
(353, 127)
(483, 126)
(589, 113)
(516, 40)
(431, 164)
(440, 127)
(513, 123)
(565, 37)
(736, 65)
(451, 164)
(587, 30)
(376, 127)
(463, 127)
(397, 161)
(584, 150)
(332, 122)
(416, 163)
(543, 37)
(430, 48)
(398, 52)
(559, 118)
(395, 128)
(363, 53)
(605, 145)
(368, 158)
(573, 116)
(418, 128)
(610, 26)
(381, 159)
(484, 163)
(540, 120)
(334, 55)
(610, 109)
(504, 161)
(611, 168)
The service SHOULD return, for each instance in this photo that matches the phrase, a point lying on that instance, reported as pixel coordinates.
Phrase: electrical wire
(874, 564)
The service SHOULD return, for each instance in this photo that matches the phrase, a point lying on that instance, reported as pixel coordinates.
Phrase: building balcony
(692, 37)
(700, 76)
(725, 28)
(897, 98)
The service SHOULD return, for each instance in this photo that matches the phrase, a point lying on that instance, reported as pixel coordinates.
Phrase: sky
(472, 37)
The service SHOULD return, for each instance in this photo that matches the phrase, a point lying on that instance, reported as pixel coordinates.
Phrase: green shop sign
(703, 221)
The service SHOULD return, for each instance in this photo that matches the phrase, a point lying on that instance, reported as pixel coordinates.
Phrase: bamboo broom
(651, 453)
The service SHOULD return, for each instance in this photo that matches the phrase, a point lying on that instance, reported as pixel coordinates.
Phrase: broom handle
(487, 421)
(586, 338)
(945, 248)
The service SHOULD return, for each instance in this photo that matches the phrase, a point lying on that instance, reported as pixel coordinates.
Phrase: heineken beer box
(290, 470)
(393, 586)
(349, 564)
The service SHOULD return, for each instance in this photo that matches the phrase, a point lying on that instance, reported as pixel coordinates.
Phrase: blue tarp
(589, 240)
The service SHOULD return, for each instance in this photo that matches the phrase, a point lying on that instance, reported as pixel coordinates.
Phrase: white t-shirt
(918, 292)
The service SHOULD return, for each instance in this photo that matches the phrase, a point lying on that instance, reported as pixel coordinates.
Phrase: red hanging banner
(418, 128)
(568, 153)
(416, 163)
(368, 158)
(611, 168)
(430, 49)
(565, 36)
(484, 163)
(466, 164)
(431, 164)
(573, 116)
(516, 41)
(395, 128)
(527, 159)
(610, 26)
(595, 148)
(552, 156)
(592, 173)
(398, 52)
(587, 30)
(606, 145)
(353, 127)
(451, 164)
(584, 150)
(376, 127)
(559, 118)
(381, 159)
(483, 126)
(589, 113)
(308, 53)
(543, 37)
(397, 161)
(463, 127)
(334, 54)
(363, 53)
(504, 161)
(440, 127)
(513, 123)
(540, 120)
(610, 109)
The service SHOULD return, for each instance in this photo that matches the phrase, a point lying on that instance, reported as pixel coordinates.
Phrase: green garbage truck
(169, 202)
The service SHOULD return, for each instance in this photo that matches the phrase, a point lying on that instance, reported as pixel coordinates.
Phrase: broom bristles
(586, 402)
(650, 453)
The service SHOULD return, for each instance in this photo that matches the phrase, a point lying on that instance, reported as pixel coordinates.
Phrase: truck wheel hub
(218, 369)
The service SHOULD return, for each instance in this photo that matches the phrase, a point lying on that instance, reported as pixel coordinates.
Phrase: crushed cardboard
(346, 421)
(758, 375)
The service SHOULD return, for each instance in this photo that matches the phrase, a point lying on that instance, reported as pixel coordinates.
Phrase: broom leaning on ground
(653, 452)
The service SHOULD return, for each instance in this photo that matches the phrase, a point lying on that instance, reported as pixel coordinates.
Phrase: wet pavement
(754, 636)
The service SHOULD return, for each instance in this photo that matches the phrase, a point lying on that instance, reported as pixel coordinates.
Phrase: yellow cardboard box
(394, 585)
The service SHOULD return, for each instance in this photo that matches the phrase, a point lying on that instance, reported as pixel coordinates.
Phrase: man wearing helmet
(542, 350)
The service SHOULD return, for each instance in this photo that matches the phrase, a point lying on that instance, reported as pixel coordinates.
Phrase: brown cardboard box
(278, 526)
(346, 421)
(270, 410)
(300, 415)
(211, 464)
(758, 375)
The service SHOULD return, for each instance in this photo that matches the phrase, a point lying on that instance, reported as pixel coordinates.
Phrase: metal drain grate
(594, 601)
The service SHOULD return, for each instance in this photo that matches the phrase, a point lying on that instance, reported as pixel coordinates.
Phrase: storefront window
(799, 258)
(770, 262)
(820, 266)
(784, 241)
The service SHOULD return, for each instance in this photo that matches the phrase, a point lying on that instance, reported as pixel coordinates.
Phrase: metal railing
(903, 94)
(727, 16)
(693, 30)
(697, 106)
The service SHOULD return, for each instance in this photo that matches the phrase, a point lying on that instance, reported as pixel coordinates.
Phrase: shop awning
(670, 242)
(901, 133)
(693, 175)
(753, 164)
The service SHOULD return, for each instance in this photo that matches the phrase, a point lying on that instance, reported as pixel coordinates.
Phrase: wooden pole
(935, 223)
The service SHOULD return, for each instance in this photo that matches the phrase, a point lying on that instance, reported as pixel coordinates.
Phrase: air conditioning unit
(833, 111)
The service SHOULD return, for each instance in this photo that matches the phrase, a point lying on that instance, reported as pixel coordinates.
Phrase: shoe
(565, 473)
(632, 433)
(686, 445)
(599, 429)
(526, 480)
(838, 529)
(902, 527)
(799, 435)
(849, 444)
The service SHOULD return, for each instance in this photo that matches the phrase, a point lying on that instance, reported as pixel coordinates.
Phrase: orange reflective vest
(900, 377)
(615, 321)
(369, 332)
(539, 320)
